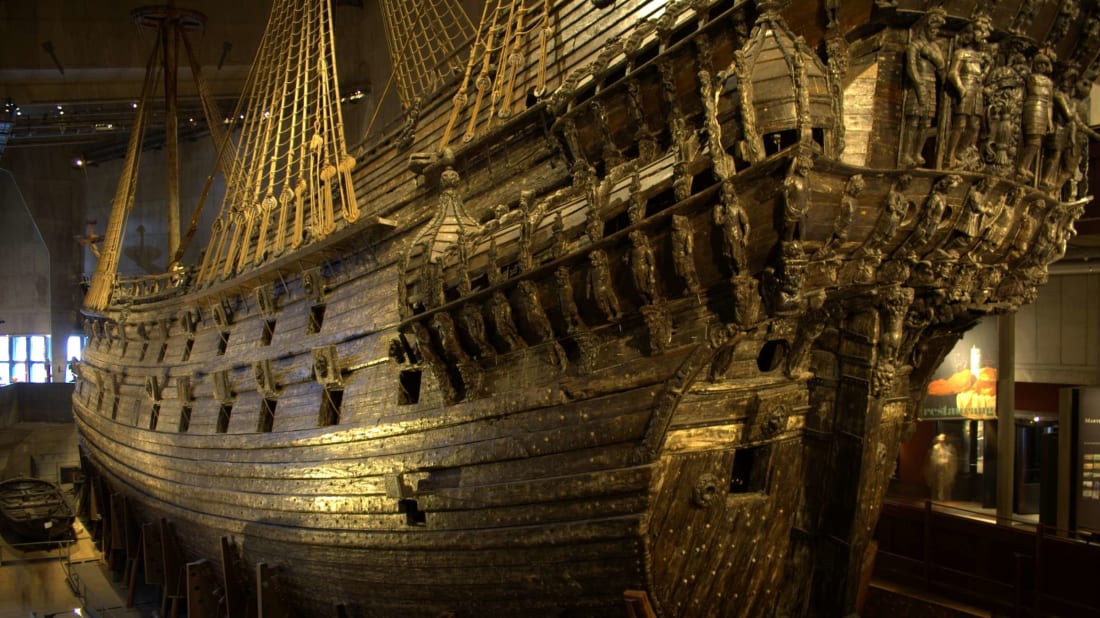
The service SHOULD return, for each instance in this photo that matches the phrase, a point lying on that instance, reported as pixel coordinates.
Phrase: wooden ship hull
(35, 510)
(670, 374)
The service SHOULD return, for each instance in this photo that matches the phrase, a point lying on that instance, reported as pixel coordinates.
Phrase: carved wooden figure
(924, 64)
(600, 287)
(1038, 113)
(683, 252)
(643, 266)
(970, 62)
(500, 313)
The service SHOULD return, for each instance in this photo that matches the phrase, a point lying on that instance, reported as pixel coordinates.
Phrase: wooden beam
(202, 584)
(239, 603)
(637, 604)
(270, 600)
(174, 571)
(154, 556)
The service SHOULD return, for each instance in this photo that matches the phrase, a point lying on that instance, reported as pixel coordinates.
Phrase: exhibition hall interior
(474, 308)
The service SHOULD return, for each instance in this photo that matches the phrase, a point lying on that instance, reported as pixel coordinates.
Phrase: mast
(170, 24)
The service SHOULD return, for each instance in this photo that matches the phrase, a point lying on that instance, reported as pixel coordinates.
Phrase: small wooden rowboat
(35, 509)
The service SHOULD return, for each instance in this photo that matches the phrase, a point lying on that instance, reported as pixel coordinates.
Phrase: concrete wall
(54, 193)
(1058, 336)
(25, 274)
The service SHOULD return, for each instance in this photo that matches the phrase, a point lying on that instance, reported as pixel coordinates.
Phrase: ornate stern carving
(970, 62)
(783, 280)
(924, 66)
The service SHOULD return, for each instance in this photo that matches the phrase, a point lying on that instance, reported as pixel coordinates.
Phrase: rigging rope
(291, 181)
(103, 280)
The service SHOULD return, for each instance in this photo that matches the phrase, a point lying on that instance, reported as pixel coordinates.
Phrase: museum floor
(57, 581)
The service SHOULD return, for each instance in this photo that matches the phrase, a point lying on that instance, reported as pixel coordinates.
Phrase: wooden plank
(154, 554)
(202, 585)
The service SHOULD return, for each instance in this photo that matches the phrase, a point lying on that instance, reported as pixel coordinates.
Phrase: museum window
(74, 351)
(223, 417)
(267, 415)
(413, 515)
(185, 418)
(154, 417)
(223, 342)
(750, 470)
(316, 319)
(409, 392)
(268, 332)
(331, 402)
(190, 343)
(24, 358)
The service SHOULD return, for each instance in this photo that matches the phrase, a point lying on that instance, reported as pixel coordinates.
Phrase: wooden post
(201, 584)
(239, 603)
(270, 601)
(174, 571)
(637, 604)
(117, 538)
(154, 557)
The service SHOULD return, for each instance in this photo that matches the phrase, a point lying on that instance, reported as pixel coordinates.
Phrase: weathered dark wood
(271, 602)
(652, 340)
(202, 587)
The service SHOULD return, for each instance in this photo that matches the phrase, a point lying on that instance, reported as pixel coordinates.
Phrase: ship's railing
(129, 289)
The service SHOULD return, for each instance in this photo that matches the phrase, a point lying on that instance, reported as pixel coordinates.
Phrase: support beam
(239, 603)
(202, 583)
(1006, 416)
(270, 600)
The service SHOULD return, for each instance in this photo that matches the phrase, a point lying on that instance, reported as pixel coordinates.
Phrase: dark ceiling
(71, 71)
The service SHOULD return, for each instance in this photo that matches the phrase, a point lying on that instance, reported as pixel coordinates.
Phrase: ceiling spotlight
(133, 105)
(78, 162)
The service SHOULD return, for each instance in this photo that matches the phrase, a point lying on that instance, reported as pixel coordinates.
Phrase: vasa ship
(630, 314)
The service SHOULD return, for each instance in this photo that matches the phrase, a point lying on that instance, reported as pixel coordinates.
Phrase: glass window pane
(18, 372)
(5, 342)
(38, 372)
(19, 349)
(5, 373)
(38, 348)
(74, 347)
